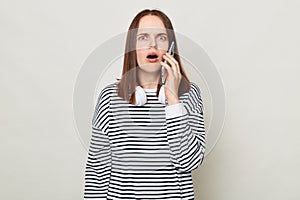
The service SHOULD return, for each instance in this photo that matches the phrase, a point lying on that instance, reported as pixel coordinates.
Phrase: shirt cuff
(175, 110)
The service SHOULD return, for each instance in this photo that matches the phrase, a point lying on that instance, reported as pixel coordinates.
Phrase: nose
(153, 42)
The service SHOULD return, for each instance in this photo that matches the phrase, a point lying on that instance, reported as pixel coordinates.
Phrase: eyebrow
(143, 33)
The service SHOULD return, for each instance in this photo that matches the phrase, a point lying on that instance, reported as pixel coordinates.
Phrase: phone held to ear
(171, 51)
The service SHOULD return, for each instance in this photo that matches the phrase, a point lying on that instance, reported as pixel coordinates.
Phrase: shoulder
(194, 90)
(107, 91)
(194, 100)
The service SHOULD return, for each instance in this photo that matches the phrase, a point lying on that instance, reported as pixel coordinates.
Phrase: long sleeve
(98, 165)
(186, 132)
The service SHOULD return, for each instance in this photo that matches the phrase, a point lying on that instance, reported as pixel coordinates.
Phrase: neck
(148, 80)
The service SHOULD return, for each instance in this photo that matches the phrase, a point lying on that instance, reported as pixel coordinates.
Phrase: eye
(162, 37)
(142, 38)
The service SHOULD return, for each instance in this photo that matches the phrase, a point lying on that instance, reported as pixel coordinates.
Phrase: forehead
(151, 24)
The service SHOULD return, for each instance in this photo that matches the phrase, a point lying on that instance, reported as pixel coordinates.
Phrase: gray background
(253, 44)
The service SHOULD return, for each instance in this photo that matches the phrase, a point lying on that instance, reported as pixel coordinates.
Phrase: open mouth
(152, 57)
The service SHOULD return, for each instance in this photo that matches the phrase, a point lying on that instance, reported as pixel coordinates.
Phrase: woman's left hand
(173, 79)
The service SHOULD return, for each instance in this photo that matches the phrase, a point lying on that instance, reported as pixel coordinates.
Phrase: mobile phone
(170, 51)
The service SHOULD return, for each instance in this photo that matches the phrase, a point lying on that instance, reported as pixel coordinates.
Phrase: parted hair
(129, 80)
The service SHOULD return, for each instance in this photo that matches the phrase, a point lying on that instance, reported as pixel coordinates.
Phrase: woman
(142, 146)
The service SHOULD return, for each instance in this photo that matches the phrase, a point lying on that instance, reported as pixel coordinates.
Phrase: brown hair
(129, 80)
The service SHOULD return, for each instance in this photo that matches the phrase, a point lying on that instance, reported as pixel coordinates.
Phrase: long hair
(129, 79)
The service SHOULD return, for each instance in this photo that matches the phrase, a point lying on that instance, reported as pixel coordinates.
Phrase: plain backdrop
(254, 44)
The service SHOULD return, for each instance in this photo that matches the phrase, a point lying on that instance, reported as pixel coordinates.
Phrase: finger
(171, 62)
(176, 64)
(171, 57)
(168, 68)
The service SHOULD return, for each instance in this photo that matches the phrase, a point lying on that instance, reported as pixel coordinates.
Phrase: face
(151, 43)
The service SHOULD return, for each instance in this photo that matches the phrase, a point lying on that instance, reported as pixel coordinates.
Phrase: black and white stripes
(144, 152)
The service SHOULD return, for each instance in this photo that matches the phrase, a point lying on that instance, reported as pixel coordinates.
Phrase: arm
(186, 132)
(98, 165)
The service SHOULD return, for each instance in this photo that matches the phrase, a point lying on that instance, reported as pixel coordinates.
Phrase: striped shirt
(144, 152)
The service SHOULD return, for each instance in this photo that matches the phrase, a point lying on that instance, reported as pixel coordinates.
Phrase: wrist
(171, 97)
(173, 101)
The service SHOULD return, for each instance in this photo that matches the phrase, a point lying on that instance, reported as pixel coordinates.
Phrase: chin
(151, 67)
